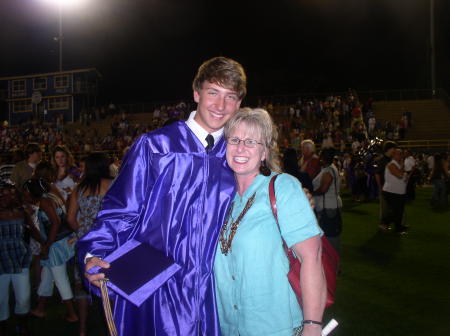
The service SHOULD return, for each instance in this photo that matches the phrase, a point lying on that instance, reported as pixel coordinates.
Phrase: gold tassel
(107, 308)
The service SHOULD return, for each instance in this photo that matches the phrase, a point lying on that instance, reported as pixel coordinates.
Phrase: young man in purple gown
(172, 192)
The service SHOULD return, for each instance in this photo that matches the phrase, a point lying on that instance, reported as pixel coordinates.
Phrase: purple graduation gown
(173, 195)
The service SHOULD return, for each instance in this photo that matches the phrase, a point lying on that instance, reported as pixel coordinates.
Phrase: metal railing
(291, 99)
(428, 145)
(393, 95)
(46, 156)
(376, 95)
(414, 145)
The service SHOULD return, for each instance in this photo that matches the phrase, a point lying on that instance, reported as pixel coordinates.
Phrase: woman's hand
(28, 209)
(68, 190)
(72, 240)
(312, 330)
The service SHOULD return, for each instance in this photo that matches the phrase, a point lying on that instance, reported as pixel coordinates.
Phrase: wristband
(311, 322)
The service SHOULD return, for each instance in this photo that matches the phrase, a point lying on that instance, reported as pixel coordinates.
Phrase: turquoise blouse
(254, 296)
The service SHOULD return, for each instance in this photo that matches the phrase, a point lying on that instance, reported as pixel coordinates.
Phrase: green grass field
(393, 285)
(388, 285)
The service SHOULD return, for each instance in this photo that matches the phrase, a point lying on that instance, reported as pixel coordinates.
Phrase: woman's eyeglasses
(250, 143)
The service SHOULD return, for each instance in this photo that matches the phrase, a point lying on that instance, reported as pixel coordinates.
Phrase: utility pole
(60, 34)
(432, 50)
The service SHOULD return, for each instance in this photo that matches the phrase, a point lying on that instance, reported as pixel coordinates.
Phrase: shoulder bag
(330, 258)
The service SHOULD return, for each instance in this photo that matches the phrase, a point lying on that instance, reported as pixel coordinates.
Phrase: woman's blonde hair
(259, 122)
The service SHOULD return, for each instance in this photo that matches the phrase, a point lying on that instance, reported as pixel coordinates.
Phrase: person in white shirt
(327, 185)
(430, 162)
(394, 191)
(356, 145)
(410, 168)
(328, 141)
(64, 165)
(410, 161)
(114, 167)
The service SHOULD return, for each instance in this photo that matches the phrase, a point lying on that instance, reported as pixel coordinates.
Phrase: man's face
(397, 155)
(390, 152)
(215, 106)
(35, 157)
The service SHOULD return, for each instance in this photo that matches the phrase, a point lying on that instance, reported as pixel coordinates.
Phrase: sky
(149, 50)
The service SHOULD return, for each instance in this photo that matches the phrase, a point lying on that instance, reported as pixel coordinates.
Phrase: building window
(40, 83)
(61, 81)
(58, 103)
(22, 106)
(18, 87)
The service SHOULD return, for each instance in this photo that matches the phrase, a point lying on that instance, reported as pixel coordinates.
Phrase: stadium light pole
(60, 38)
(60, 32)
(432, 50)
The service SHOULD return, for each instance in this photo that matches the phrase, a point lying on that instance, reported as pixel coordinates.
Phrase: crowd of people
(83, 139)
(46, 207)
(199, 191)
(340, 122)
(79, 141)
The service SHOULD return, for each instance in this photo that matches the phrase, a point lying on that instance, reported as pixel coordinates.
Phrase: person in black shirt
(290, 163)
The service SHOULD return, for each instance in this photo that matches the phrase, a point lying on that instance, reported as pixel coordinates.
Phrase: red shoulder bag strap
(273, 200)
(273, 205)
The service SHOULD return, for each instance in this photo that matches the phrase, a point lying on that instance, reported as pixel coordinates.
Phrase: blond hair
(259, 122)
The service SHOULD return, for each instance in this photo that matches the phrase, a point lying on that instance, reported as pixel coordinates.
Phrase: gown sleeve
(122, 205)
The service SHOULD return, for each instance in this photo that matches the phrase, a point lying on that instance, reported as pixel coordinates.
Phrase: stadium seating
(430, 117)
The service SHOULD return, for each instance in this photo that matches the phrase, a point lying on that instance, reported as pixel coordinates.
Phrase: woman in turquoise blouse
(254, 296)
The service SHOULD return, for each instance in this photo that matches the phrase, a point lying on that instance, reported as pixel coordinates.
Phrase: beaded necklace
(225, 243)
